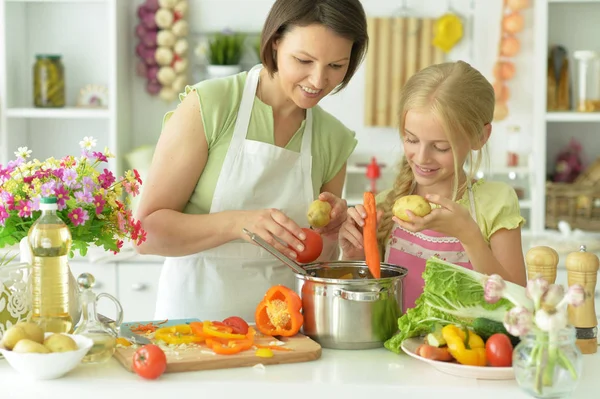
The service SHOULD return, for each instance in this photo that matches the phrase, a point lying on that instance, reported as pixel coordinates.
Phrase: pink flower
(100, 157)
(88, 184)
(106, 178)
(99, 203)
(62, 196)
(137, 176)
(47, 188)
(24, 208)
(3, 215)
(131, 188)
(69, 177)
(84, 197)
(121, 221)
(78, 216)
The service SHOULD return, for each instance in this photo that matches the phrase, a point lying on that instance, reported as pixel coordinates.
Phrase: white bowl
(48, 366)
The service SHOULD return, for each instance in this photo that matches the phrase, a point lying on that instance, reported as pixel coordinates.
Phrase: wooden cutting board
(199, 357)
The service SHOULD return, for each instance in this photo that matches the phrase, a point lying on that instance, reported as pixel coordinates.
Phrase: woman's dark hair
(345, 17)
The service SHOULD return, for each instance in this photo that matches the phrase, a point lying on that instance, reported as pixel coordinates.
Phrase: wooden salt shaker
(542, 261)
(582, 268)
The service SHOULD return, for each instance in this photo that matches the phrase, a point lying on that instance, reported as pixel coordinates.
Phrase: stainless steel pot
(345, 308)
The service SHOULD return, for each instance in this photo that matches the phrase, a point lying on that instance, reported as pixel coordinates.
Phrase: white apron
(231, 279)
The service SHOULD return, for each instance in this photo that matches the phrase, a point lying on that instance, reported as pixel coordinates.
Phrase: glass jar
(48, 82)
(587, 97)
(546, 369)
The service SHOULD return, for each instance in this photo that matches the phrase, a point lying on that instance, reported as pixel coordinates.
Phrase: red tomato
(499, 350)
(313, 246)
(149, 362)
(237, 324)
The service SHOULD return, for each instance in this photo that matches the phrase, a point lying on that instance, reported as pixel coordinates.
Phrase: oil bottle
(105, 338)
(50, 241)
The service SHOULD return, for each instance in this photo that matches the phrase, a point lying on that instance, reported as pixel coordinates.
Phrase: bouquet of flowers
(546, 322)
(89, 198)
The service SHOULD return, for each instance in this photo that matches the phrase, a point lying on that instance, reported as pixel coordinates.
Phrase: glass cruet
(104, 337)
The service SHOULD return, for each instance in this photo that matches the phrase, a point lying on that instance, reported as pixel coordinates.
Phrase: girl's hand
(274, 227)
(450, 219)
(338, 215)
(351, 237)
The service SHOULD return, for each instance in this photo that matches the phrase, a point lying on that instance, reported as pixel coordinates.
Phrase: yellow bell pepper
(465, 346)
(179, 334)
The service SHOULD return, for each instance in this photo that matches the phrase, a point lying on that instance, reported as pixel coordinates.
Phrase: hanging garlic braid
(463, 101)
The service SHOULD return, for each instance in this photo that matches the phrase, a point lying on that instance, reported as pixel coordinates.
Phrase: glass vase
(548, 366)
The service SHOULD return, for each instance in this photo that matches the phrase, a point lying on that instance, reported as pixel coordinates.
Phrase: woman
(252, 151)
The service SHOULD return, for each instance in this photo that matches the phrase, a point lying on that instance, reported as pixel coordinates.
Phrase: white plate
(409, 346)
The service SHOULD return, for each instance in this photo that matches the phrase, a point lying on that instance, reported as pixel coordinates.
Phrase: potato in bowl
(43, 357)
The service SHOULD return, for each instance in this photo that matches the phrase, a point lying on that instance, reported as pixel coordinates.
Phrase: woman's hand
(351, 236)
(450, 219)
(274, 227)
(338, 215)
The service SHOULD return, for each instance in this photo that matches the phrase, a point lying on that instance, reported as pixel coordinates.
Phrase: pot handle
(362, 296)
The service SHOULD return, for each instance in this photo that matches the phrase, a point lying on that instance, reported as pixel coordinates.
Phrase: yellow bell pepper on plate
(465, 346)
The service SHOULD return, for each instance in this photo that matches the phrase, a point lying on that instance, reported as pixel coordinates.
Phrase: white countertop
(337, 374)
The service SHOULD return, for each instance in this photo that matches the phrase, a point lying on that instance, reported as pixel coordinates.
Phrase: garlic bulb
(165, 38)
(167, 3)
(180, 28)
(181, 65)
(164, 18)
(181, 8)
(166, 75)
(164, 56)
(167, 94)
(179, 83)
(181, 47)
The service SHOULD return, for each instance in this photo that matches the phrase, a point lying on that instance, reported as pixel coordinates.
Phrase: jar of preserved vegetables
(48, 81)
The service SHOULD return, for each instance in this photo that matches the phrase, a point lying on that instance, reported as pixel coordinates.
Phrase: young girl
(446, 112)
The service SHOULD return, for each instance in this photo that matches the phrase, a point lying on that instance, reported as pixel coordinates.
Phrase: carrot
(370, 235)
(434, 353)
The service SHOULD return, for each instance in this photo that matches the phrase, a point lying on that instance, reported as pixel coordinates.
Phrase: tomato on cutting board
(313, 246)
(149, 362)
(237, 324)
(499, 350)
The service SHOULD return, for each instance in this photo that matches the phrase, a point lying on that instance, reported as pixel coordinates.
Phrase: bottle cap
(48, 200)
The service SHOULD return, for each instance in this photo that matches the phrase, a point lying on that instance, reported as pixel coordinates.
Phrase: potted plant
(225, 50)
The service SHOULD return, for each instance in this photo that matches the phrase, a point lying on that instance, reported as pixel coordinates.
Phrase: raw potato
(318, 213)
(12, 336)
(60, 343)
(33, 331)
(29, 346)
(414, 203)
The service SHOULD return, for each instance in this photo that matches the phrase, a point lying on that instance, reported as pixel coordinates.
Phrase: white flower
(23, 152)
(88, 143)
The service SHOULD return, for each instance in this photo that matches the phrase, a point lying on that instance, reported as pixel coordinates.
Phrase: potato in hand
(414, 203)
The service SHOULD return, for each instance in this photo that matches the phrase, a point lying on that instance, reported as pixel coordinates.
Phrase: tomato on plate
(237, 324)
(499, 350)
(149, 362)
(313, 246)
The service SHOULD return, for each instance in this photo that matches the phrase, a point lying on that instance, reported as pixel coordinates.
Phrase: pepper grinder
(542, 261)
(582, 268)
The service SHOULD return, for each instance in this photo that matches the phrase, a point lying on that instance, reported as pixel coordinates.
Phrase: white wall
(479, 46)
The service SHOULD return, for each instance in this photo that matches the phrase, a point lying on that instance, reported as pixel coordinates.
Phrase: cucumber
(485, 328)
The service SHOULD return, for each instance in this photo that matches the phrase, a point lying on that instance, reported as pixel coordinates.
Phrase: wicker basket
(576, 204)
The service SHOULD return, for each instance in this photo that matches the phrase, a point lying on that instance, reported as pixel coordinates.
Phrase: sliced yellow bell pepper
(179, 334)
(465, 346)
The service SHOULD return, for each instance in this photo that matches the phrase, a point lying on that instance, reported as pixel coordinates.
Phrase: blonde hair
(462, 100)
